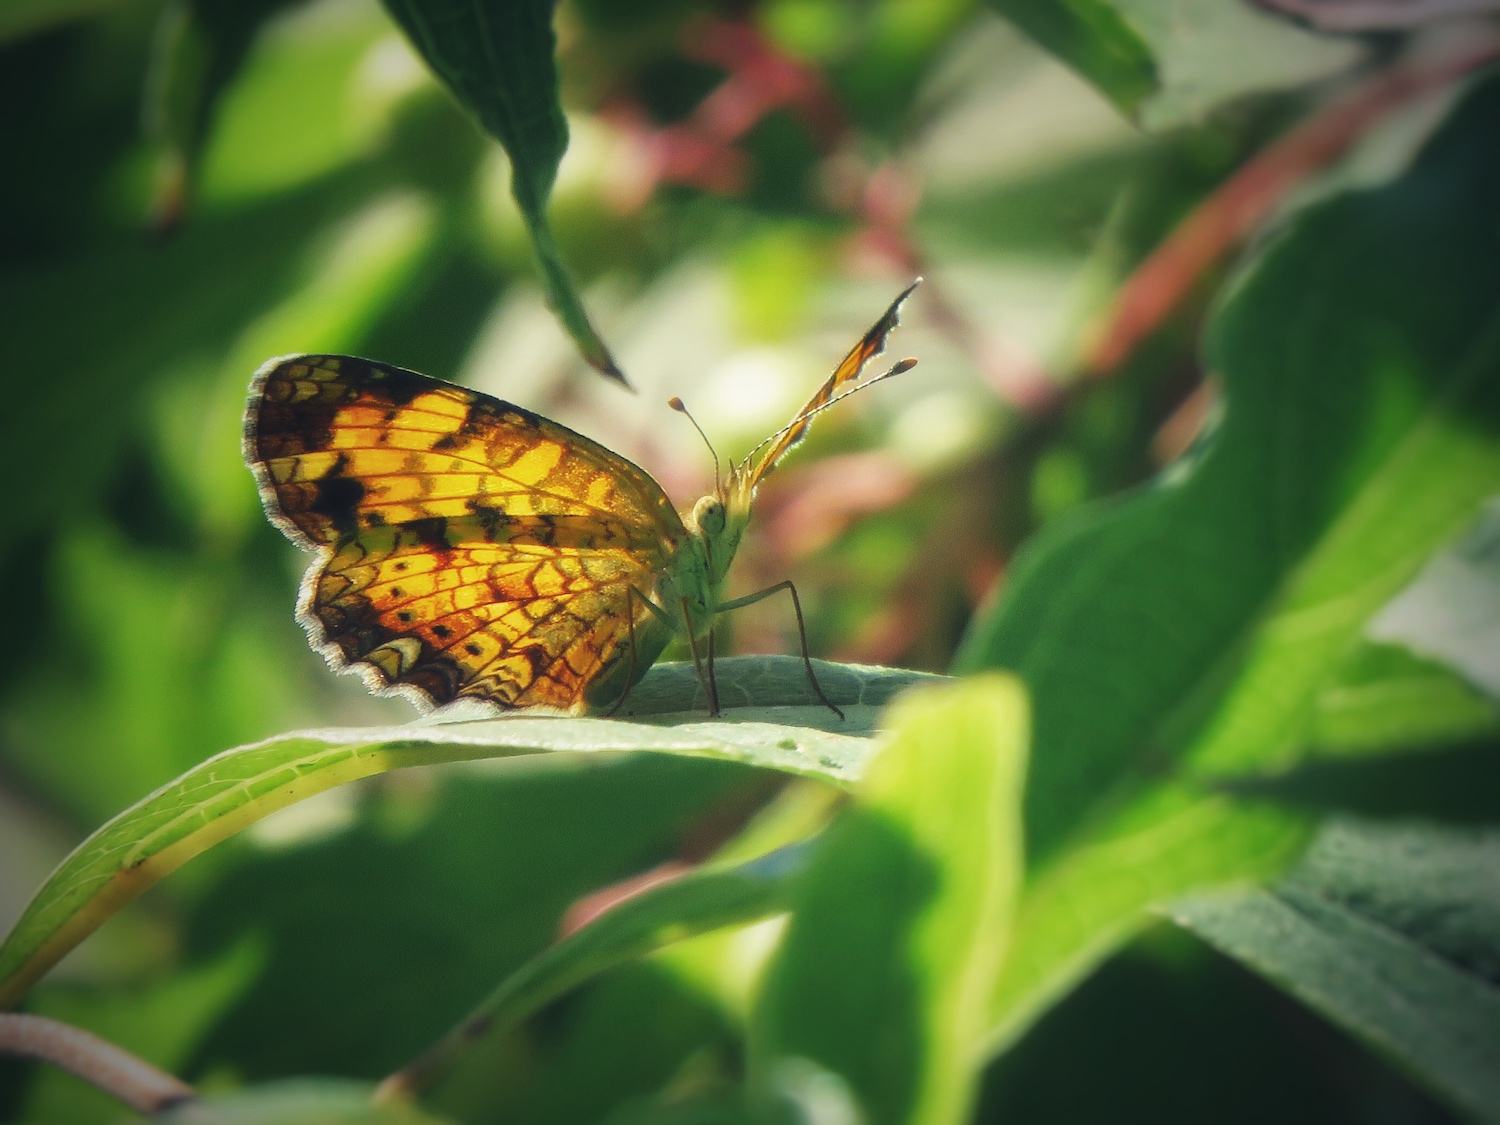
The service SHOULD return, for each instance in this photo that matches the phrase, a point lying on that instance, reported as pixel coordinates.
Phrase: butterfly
(468, 548)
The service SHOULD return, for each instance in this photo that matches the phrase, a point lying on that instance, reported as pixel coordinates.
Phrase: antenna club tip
(904, 365)
(676, 404)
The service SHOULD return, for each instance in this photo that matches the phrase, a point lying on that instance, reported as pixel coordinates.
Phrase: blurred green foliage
(1222, 575)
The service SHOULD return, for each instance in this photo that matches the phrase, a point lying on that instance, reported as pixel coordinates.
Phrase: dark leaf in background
(1096, 40)
(1167, 1030)
(497, 58)
(1392, 931)
(380, 938)
(146, 307)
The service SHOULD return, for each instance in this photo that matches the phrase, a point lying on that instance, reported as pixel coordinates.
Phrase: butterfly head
(720, 518)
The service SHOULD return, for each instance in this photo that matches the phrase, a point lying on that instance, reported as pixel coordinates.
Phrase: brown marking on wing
(467, 547)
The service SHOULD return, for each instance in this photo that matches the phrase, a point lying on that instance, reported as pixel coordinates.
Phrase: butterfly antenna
(676, 404)
(898, 368)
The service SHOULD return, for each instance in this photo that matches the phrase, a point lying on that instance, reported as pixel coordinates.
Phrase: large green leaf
(1167, 63)
(235, 789)
(1392, 932)
(497, 58)
(900, 923)
(1187, 633)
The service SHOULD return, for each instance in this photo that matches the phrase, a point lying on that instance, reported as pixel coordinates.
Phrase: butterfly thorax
(700, 568)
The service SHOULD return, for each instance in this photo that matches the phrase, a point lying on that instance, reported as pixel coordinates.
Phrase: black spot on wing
(431, 532)
(338, 497)
(539, 659)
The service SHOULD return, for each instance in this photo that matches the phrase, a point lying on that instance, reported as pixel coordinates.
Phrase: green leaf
(1166, 63)
(235, 789)
(152, 308)
(707, 899)
(1393, 933)
(1187, 633)
(20, 18)
(298, 1101)
(497, 58)
(1081, 908)
(198, 49)
(1094, 38)
(1384, 698)
(901, 920)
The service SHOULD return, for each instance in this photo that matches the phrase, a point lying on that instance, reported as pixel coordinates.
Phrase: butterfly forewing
(469, 547)
(871, 344)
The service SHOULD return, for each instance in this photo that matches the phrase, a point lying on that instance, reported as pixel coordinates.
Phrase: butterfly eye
(708, 515)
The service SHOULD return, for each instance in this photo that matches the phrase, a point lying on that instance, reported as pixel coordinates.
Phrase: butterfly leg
(713, 684)
(751, 599)
(708, 684)
(632, 592)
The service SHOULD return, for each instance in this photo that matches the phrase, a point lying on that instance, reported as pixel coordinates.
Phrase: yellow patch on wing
(469, 548)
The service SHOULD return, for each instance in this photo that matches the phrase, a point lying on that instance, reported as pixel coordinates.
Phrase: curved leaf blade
(234, 789)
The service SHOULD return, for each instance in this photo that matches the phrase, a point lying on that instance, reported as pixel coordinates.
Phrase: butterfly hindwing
(518, 623)
(469, 547)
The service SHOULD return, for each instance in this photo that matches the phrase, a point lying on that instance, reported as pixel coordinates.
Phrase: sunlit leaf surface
(902, 919)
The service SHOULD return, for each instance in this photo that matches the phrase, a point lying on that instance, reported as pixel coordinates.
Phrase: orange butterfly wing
(468, 547)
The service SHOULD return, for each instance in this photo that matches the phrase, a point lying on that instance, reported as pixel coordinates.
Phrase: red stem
(1222, 220)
